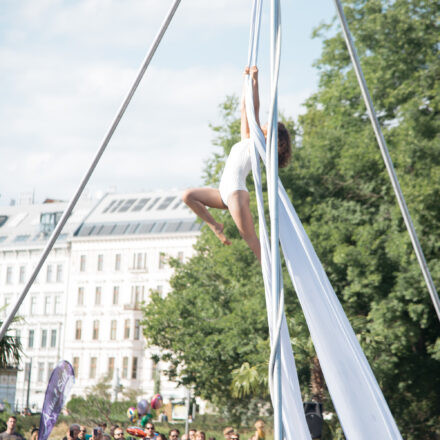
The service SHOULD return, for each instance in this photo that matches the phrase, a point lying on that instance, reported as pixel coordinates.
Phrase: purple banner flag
(58, 389)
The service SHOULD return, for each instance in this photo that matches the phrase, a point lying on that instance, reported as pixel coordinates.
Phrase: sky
(67, 65)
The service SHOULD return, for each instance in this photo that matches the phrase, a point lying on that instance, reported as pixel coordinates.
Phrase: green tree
(343, 194)
(10, 350)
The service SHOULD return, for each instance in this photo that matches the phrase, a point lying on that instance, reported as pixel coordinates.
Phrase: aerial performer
(232, 193)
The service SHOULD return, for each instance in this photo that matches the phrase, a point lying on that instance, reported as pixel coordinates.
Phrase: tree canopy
(212, 326)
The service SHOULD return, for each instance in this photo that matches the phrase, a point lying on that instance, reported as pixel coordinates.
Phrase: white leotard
(238, 165)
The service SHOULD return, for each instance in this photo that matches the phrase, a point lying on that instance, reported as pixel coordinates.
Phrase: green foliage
(10, 349)
(212, 326)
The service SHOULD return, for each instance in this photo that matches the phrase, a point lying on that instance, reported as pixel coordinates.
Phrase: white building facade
(86, 306)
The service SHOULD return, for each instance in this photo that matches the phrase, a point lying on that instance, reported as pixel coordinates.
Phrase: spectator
(73, 432)
(234, 436)
(34, 434)
(112, 430)
(200, 435)
(192, 434)
(97, 433)
(82, 435)
(11, 433)
(150, 431)
(174, 434)
(259, 433)
(118, 434)
(161, 437)
(103, 425)
(185, 437)
(106, 437)
(227, 432)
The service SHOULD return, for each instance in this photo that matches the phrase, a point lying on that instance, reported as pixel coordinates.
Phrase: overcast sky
(66, 66)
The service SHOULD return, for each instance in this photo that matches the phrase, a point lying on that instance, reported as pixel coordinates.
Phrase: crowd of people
(80, 432)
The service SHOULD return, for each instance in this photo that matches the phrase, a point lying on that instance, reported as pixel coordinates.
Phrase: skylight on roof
(117, 205)
(139, 205)
(127, 205)
(3, 220)
(154, 202)
(21, 237)
(109, 206)
(166, 202)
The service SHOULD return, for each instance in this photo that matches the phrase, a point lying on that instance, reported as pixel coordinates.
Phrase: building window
(111, 366)
(80, 299)
(82, 263)
(137, 329)
(134, 367)
(115, 295)
(59, 273)
(161, 260)
(31, 338)
(113, 325)
(40, 376)
(49, 273)
(75, 366)
(47, 301)
(57, 305)
(127, 329)
(137, 295)
(124, 367)
(49, 370)
(118, 262)
(160, 290)
(43, 338)
(78, 328)
(33, 307)
(22, 274)
(95, 335)
(18, 336)
(153, 370)
(92, 368)
(100, 262)
(27, 371)
(9, 275)
(98, 296)
(53, 338)
(140, 260)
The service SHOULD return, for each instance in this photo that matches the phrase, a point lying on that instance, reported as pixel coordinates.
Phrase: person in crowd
(174, 434)
(227, 432)
(118, 433)
(82, 435)
(11, 432)
(97, 433)
(234, 436)
(151, 433)
(103, 425)
(106, 437)
(160, 437)
(185, 437)
(35, 433)
(73, 432)
(200, 435)
(112, 430)
(192, 434)
(259, 433)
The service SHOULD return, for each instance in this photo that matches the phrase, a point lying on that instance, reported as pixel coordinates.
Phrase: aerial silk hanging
(359, 402)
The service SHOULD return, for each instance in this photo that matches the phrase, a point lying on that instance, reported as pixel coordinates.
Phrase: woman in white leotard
(232, 193)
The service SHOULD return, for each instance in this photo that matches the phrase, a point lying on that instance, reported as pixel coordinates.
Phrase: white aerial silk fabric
(359, 402)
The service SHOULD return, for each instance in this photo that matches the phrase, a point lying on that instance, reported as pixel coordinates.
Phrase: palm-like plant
(10, 351)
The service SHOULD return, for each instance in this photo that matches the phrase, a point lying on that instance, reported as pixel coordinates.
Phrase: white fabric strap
(359, 402)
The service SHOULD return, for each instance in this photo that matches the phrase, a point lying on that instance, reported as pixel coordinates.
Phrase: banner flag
(57, 392)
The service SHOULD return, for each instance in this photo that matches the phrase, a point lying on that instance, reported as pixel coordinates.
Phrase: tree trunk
(316, 381)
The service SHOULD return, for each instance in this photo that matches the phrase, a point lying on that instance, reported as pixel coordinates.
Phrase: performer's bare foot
(218, 230)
